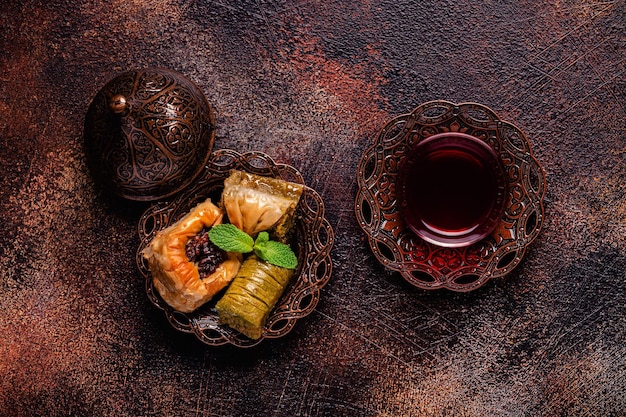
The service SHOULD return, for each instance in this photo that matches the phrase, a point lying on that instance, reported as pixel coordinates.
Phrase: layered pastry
(254, 204)
(250, 298)
(187, 269)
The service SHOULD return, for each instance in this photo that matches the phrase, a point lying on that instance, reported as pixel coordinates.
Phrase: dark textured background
(310, 83)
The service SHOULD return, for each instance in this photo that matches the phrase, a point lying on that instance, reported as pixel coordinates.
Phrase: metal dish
(312, 243)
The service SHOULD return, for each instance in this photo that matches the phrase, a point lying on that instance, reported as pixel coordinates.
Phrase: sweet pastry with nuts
(187, 269)
(256, 204)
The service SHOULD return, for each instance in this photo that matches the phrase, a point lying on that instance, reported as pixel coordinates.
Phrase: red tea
(451, 189)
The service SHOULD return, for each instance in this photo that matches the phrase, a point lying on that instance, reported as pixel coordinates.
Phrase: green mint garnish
(274, 252)
(261, 238)
(231, 239)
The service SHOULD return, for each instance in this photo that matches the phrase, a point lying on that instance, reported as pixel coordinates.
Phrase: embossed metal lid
(148, 133)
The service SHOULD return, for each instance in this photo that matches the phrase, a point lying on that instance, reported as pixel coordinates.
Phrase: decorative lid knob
(118, 104)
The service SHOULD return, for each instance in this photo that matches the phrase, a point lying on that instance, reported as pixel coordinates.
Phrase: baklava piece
(187, 269)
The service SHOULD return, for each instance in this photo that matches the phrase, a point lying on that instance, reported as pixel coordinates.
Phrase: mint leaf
(262, 238)
(276, 253)
(229, 238)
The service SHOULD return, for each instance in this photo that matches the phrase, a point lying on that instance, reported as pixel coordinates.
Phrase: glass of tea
(451, 189)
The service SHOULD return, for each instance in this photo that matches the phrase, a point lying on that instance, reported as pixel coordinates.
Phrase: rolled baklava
(248, 301)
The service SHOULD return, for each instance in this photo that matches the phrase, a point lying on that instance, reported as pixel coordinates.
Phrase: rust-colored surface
(310, 83)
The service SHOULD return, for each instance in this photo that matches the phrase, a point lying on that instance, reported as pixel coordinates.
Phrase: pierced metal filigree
(313, 241)
(421, 263)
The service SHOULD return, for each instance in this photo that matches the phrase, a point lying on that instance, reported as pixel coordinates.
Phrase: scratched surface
(310, 83)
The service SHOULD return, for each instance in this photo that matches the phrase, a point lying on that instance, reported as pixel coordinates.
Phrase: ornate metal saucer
(421, 263)
(313, 242)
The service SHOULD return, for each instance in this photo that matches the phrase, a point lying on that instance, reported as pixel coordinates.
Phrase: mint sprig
(276, 253)
(231, 239)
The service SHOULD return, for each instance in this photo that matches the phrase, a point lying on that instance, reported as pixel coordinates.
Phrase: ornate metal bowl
(313, 242)
(148, 133)
(424, 264)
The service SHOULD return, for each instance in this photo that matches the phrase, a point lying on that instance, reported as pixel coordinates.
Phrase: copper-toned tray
(421, 263)
(312, 243)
